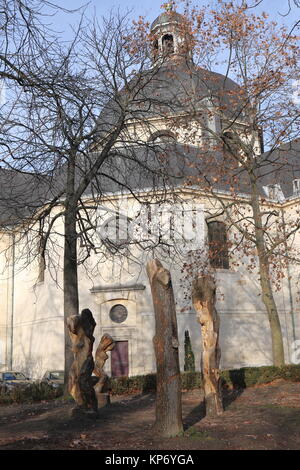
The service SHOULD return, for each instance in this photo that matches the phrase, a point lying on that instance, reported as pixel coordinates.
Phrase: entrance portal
(119, 359)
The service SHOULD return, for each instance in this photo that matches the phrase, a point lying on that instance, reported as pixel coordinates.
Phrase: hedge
(235, 378)
(31, 393)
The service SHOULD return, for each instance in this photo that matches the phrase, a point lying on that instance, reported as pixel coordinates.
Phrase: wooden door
(119, 359)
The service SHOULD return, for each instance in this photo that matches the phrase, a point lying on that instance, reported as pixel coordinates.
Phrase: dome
(179, 88)
(167, 17)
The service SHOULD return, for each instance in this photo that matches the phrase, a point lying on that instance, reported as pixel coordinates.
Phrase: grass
(194, 433)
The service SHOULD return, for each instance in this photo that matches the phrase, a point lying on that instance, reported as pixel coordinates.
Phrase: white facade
(32, 325)
(31, 312)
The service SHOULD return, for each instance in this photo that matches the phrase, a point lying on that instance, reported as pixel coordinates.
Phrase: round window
(118, 313)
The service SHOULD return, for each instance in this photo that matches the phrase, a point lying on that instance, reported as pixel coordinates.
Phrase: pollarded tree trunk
(168, 388)
(81, 384)
(106, 344)
(203, 296)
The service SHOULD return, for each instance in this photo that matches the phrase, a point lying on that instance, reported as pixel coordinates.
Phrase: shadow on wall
(39, 350)
(245, 295)
(244, 339)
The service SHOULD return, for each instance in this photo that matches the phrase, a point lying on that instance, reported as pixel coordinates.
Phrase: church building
(116, 288)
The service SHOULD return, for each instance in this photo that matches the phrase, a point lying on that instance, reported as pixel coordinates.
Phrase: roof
(281, 166)
(167, 17)
(173, 89)
(21, 194)
(138, 168)
(175, 165)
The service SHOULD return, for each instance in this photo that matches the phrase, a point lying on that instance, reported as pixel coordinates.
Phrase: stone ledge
(131, 287)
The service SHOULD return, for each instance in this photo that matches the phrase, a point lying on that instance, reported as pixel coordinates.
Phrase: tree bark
(265, 282)
(81, 328)
(204, 297)
(106, 344)
(168, 382)
(71, 301)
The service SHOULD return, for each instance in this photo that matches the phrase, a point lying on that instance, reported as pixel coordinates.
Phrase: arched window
(115, 232)
(296, 187)
(163, 137)
(228, 141)
(41, 258)
(232, 146)
(218, 245)
(168, 44)
(155, 48)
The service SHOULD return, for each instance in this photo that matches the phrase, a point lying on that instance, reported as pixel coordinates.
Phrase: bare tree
(263, 59)
(78, 123)
(256, 3)
(204, 297)
(168, 398)
(24, 32)
(67, 128)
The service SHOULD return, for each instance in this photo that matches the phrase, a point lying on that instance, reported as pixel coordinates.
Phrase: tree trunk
(273, 317)
(266, 288)
(168, 388)
(71, 302)
(203, 296)
(81, 386)
(101, 389)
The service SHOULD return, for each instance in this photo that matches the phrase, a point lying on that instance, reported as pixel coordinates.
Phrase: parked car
(55, 378)
(11, 379)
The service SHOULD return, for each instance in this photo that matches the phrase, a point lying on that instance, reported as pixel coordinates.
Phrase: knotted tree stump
(101, 387)
(168, 384)
(81, 386)
(204, 299)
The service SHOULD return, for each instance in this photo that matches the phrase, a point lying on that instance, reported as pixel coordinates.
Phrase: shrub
(30, 393)
(236, 378)
(138, 383)
(191, 380)
(249, 376)
(189, 358)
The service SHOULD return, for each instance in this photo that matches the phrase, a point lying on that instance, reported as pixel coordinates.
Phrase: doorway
(119, 359)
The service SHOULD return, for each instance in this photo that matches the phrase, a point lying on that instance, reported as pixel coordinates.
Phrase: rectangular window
(218, 245)
(41, 260)
(296, 187)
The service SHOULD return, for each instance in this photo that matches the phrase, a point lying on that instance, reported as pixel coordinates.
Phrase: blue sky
(152, 8)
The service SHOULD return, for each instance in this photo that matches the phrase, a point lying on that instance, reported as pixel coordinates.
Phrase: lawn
(259, 417)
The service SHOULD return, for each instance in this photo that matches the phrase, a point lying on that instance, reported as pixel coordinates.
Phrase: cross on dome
(169, 6)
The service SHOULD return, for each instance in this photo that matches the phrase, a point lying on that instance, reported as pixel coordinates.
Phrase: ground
(261, 417)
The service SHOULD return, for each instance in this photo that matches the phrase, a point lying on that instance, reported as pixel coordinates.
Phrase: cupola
(171, 37)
